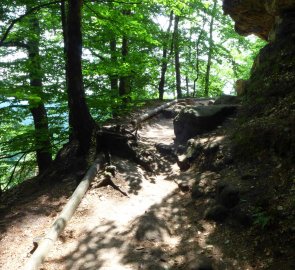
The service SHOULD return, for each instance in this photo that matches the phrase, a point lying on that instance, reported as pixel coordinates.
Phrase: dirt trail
(158, 226)
(107, 227)
(108, 234)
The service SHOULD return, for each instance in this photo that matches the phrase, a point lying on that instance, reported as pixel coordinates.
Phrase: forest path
(112, 231)
(108, 230)
(157, 227)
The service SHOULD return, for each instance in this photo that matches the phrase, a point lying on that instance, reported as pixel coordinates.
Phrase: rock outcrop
(269, 94)
(257, 17)
(195, 120)
(273, 72)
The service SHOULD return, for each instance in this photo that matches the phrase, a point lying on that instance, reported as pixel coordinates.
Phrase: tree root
(121, 142)
(107, 181)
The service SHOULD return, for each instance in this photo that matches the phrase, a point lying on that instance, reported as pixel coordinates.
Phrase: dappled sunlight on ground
(156, 227)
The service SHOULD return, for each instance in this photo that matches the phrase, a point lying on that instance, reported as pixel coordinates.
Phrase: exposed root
(107, 181)
(123, 143)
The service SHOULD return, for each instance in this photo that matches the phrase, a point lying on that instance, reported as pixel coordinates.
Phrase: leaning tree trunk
(38, 111)
(176, 55)
(81, 122)
(165, 59)
(210, 52)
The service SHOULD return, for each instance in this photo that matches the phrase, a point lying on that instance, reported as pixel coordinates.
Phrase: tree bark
(198, 58)
(114, 78)
(124, 84)
(176, 55)
(80, 120)
(38, 111)
(187, 85)
(210, 52)
(64, 25)
(165, 59)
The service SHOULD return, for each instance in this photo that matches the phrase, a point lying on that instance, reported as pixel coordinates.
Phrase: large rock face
(273, 73)
(257, 16)
(269, 114)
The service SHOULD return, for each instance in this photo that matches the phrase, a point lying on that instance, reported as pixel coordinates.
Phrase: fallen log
(152, 112)
(60, 223)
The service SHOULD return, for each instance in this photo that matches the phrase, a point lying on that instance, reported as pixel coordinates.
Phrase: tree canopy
(131, 51)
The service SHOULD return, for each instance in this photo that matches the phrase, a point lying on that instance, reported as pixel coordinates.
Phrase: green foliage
(261, 218)
(104, 22)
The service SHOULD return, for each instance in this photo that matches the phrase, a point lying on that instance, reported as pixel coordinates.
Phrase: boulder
(193, 149)
(227, 100)
(173, 111)
(193, 121)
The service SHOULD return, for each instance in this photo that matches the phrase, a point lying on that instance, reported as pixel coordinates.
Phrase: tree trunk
(64, 24)
(80, 119)
(198, 58)
(210, 52)
(42, 135)
(124, 84)
(114, 78)
(176, 55)
(187, 85)
(165, 59)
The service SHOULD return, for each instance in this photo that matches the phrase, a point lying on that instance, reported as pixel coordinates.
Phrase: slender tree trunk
(80, 119)
(210, 52)
(187, 85)
(114, 78)
(42, 135)
(165, 59)
(189, 66)
(176, 55)
(198, 58)
(124, 84)
(64, 25)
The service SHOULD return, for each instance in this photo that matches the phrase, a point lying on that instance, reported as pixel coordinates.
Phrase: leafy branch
(30, 11)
